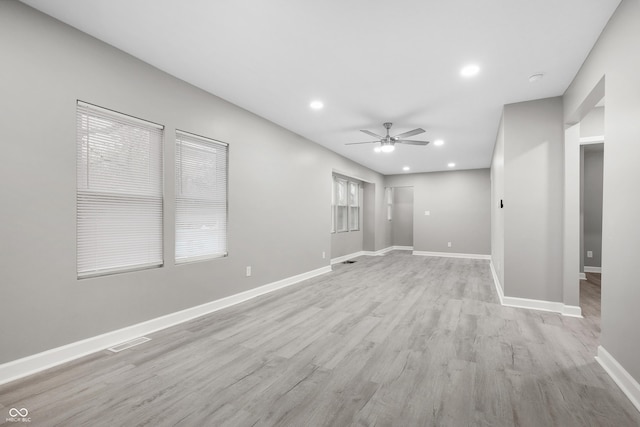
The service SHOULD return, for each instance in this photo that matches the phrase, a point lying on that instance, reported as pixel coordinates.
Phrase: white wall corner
(452, 255)
(496, 282)
(29, 365)
(620, 376)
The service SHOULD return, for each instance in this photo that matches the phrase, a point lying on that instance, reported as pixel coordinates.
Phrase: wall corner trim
(452, 255)
(532, 304)
(35, 363)
(496, 282)
(620, 376)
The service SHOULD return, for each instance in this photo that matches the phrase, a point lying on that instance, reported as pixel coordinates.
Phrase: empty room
(363, 213)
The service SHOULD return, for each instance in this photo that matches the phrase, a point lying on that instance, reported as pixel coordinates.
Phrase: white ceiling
(369, 61)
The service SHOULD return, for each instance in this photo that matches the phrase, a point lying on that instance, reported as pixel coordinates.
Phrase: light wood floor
(398, 340)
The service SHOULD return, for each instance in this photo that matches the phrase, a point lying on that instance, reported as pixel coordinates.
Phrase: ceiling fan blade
(366, 142)
(412, 142)
(410, 133)
(368, 132)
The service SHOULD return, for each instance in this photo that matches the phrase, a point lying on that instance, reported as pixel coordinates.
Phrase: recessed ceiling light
(377, 149)
(451, 165)
(406, 168)
(316, 105)
(469, 70)
(535, 77)
(438, 142)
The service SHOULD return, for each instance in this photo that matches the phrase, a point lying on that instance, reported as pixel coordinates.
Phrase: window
(345, 205)
(119, 192)
(354, 206)
(333, 205)
(341, 206)
(201, 198)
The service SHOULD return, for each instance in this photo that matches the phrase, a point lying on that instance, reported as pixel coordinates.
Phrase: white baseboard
(532, 304)
(451, 255)
(496, 282)
(402, 248)
(588, 269)
(620, 376)
(582, 276)
(380, 252)
(39, 362)
(344, 258)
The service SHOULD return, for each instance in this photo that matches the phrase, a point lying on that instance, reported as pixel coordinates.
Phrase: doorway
(402, 218)
(591, 189)
(587, 129)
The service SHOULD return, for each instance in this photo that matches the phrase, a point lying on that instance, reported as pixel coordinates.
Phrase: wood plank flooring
(398, 340)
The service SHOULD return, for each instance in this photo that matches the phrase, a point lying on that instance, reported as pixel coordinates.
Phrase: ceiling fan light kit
(388, 142)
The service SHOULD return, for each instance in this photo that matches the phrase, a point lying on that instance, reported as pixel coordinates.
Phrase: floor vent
(348, 262)
(125, 345)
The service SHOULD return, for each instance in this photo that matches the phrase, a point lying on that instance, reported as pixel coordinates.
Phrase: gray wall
(614, 57)
(459, 203)
(533, 199)
(592, 203)
(402, 217)
(279, 189)
(497, 212)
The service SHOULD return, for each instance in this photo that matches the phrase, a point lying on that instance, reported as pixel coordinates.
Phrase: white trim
(571, 311)
(620, 376)
(29, 365)
(344, 258)
(557, 307)
(588, 269)
(535, 304)
(582, 276)
(380, 252)
(586, 140)
(402, 248)
(452, 255)
(496, 282)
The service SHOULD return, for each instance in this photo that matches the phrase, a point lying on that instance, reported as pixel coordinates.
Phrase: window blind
(341, 205)
(201, 198)
(119, 192)
(354, 206)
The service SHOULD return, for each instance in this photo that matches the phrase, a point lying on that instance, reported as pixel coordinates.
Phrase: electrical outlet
(324, 255)
(449, 244)
(248, 271)
(589, 254)
(427, 213)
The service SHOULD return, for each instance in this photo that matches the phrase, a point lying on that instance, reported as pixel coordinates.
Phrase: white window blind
(119, 192)
(201, 198)
(354, 206)
(341, 205)
(333, 204)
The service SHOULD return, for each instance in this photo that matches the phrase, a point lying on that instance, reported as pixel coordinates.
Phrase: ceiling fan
(387, 143)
